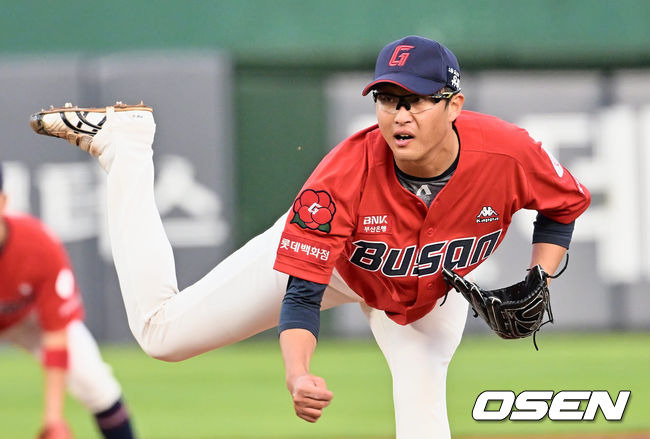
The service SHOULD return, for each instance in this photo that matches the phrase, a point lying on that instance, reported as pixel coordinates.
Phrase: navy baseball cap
(420, 65)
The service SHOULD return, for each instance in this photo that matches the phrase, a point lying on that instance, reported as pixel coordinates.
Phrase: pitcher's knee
(155, 344)
(161, 352)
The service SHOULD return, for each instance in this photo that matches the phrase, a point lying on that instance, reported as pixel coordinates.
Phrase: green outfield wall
(344, 32)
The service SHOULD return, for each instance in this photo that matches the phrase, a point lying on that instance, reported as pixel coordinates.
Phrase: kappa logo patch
(375, 224)
(487, 215)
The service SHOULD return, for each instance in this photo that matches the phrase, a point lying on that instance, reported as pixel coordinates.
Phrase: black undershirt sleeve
(301, 306)
(552, 232)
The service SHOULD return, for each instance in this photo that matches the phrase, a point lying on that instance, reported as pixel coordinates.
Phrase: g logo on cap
(400, 55)
(431, 66)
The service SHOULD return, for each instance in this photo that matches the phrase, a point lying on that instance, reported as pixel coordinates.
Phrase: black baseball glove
(516, 311)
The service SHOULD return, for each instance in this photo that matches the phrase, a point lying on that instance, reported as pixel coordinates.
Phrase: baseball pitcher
(429, 189)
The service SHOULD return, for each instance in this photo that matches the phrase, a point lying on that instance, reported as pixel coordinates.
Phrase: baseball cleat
(78, 125)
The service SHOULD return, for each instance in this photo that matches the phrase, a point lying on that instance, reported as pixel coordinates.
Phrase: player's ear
(455, 106)
(3, 202)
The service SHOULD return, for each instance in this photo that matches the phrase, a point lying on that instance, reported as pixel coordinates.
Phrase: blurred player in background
(430, 186)
(41, 311)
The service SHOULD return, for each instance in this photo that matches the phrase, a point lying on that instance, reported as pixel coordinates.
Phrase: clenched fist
(310, 396)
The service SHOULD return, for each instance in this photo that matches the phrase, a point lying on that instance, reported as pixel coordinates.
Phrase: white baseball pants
(242, 295)
(89, 379)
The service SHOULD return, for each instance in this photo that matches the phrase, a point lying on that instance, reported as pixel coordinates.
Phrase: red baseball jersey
(353, 214)
(35, 275)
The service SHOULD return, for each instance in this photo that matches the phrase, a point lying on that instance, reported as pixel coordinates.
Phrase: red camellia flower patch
(314, 210)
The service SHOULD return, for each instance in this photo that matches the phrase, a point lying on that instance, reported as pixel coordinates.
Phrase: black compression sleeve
(301, 305)
(547, 230)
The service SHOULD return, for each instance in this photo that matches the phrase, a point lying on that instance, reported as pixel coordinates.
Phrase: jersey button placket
(425, 238)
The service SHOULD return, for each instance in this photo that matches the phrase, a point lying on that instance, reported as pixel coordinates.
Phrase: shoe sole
(83, 126)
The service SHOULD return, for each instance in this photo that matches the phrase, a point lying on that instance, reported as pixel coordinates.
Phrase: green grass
(238, 392)
(611, 362)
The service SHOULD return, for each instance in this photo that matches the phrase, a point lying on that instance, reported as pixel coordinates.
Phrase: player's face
(423, 143)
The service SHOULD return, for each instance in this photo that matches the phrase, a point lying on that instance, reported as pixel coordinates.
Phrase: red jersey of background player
(355, 216)
(35, 275)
